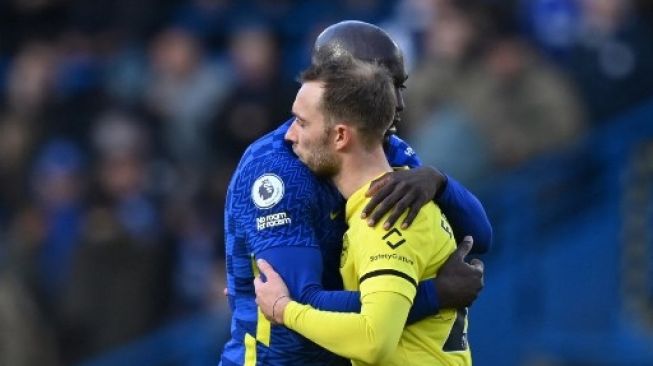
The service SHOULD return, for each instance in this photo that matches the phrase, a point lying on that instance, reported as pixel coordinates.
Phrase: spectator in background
(451, 51)
(195, 265)
(22, 243)
(27, 334)
(524, 106)
(53, 86)
(79, 93)
(552, 24)
(17, 145)
(183, 94)
(436, 119)
(612, 59)
(478, 107)
(112, 297)
(210, 19)
(370, 11)
(124, 176)
(58, 184)
(117, 288)
(408, 26)
(31, 81)
(25, 340)
(259, 97)
(43, 234)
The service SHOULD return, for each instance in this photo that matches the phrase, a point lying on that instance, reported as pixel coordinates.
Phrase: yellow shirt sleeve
(384, 260)
(370, 336)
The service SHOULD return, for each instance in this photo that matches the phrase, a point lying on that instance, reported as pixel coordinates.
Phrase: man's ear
(342, 137)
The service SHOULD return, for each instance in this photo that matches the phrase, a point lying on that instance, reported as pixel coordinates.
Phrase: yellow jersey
(383, 264)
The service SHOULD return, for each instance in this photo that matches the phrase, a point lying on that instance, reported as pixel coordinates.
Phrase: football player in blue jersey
(279, 211)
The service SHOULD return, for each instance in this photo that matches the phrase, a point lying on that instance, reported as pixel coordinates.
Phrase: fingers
(478, 265)
(265, 268)
(377, 184)
(415, 205)
(398, 209)
(257, 282)
(412, 214)
(464, 247)
(260, 289)
(378, 197)
(383, 207)
(225, 291)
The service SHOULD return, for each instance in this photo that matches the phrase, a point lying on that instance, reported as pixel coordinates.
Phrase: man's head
(343, 106)
(364, 42)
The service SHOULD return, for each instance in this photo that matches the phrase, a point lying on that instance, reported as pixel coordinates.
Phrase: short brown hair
(360, 93)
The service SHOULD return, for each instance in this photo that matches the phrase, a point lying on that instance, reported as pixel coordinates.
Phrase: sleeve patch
(267, 191)
(272, 220)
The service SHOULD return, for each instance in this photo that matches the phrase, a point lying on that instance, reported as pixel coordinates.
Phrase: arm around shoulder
(466, 215)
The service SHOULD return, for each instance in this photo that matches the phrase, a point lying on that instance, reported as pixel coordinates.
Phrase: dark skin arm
(399, 191)
(458, 283)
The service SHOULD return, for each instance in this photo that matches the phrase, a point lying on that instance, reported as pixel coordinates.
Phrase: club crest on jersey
(267, 191)
(409, 151)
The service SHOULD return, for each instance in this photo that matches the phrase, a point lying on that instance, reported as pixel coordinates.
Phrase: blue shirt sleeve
(463, 210)
(273, 200)
(426, 302)
(301, 270)
(466, 215)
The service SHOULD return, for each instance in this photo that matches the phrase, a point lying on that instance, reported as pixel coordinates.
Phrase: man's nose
(290, 134)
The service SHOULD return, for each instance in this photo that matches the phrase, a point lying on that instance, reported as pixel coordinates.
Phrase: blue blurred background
(121, 122)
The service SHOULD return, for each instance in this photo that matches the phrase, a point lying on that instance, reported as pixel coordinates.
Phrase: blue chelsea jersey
(274, 200)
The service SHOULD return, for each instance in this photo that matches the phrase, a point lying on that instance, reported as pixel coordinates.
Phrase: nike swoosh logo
(333, 215)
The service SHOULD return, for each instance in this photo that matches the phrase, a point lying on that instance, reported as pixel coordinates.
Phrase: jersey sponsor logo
(272, 220)
(267, 191)
(394, 238)
(391, 256)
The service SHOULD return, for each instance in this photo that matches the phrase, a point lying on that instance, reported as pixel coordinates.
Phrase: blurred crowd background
(121, 122)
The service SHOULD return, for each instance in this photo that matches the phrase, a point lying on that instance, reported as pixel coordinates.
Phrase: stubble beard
(321, 161)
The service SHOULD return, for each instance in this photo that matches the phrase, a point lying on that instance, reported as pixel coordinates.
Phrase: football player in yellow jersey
(341, 114)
